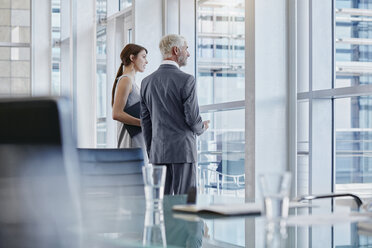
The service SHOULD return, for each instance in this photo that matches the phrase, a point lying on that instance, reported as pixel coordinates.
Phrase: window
(101, 76)
(56, 47)
(125, 4)
(15, 52)
(334, 99)
(221, 88)
(353, 115)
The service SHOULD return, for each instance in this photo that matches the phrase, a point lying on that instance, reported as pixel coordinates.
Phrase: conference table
(117, 221)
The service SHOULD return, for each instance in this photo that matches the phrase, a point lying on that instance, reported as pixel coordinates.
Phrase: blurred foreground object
(39, 201)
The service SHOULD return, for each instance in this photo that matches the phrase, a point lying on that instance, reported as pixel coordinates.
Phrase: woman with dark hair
(125, 94)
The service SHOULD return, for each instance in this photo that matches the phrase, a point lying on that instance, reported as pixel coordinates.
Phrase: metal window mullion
(310, 95)
(195, 38)
(213, 86)
(333, 156)
(344, 92)
(310, 111)
(229, 44)
(13, 44)
(292, 109)
(333, 150)
(222, 106)
(60, 50)
(73, 60)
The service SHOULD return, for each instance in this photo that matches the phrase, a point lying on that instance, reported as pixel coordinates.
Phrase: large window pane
(353, 43)
(220, 76)
(220, 50)
(221, 149)
(15, 56)
(353, 137)
(125, 4)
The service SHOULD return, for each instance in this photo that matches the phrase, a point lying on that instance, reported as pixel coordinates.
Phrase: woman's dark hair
(130, 49)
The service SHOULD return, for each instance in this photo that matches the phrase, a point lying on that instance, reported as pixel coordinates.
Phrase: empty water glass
(154, 180)
(275, 188)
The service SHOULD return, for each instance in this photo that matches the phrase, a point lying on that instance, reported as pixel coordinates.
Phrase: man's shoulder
(169, 71)
(177, 73)
(149, 77)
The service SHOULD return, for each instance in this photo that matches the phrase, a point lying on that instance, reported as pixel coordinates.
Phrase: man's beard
(182, 60)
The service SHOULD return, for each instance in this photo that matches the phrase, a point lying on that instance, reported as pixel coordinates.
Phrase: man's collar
(170, 62)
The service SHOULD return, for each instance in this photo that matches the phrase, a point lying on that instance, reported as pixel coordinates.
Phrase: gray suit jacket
(170, 116)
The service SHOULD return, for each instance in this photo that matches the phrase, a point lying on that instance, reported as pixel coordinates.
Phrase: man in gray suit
(170, 116)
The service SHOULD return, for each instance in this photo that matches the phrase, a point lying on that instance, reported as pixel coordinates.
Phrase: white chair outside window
(224, 178)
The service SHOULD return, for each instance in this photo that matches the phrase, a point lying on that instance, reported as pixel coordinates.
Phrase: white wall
(112, 7)
(173, 16)
(112, 56)
(187, 29)
(148, 33)
(321, 109)
(85, 85)
(266, 96)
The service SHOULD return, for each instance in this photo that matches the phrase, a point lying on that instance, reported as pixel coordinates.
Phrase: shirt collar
(170, 62)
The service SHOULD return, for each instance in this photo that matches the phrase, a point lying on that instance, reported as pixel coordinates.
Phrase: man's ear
(131, 57)
(175, 50)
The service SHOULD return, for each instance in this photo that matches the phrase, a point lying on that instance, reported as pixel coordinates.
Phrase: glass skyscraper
(353, 115)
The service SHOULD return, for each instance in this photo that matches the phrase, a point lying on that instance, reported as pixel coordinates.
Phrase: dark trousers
(180, 178)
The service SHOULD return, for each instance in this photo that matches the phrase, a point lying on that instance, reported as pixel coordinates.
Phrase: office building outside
(353, 115)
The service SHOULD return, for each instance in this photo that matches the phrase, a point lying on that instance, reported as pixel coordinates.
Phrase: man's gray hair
(167, 42)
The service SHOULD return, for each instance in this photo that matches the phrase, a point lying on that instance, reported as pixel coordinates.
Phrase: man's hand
(206, 124)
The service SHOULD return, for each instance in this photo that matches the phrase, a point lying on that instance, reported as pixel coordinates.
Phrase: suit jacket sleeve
(191, 107)
(146, 124)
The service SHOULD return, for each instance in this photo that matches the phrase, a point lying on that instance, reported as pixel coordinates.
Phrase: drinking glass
(275, 188)
(154, 180)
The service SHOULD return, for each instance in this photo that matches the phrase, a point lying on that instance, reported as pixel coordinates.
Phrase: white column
(250, 94)
(85, 74)
(112, 7)
(41, 47)
(266, 92)
(266, 95)
(112, 55)
(148, 33)
(173, 16)
(187, 29)
(302, 168)
(321, 73)
(303, 86)
(292, 97)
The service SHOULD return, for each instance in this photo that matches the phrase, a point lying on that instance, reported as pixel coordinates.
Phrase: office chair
(108, 172)
(108, 178)
(39, 201)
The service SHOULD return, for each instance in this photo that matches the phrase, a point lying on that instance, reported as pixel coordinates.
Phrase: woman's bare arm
(123, 89)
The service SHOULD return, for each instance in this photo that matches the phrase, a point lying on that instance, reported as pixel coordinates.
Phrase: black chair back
(39, 201)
